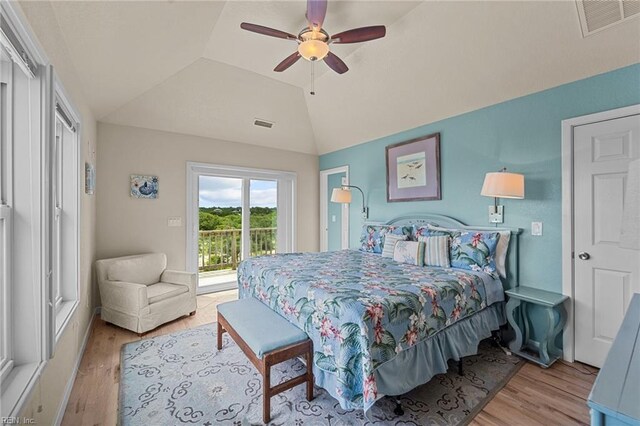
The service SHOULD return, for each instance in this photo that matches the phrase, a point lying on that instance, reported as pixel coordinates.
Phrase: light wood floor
(534, 396)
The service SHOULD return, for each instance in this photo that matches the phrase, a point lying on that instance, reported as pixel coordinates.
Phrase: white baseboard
(67, 391)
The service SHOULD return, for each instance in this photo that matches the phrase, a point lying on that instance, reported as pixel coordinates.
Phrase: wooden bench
(267, 339)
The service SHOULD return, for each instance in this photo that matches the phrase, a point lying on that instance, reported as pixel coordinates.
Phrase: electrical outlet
(536, 229)
(174, 222)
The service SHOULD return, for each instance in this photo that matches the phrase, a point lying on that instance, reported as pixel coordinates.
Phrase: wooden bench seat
(267, 339)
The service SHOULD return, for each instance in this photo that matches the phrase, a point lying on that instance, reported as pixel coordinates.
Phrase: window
(39, 211)
(64, 215)
(21, 279)
(6, 356)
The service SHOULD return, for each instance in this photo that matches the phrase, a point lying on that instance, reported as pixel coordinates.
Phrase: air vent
(597, 15)
(263, 123)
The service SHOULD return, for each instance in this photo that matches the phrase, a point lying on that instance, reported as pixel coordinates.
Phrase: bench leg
(309, 359)
(266, 387)
(220, 331)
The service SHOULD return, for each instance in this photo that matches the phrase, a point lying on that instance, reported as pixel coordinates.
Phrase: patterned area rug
(181, 378)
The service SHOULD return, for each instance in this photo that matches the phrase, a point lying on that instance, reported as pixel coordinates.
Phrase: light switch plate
(174, 222)
(536, 229)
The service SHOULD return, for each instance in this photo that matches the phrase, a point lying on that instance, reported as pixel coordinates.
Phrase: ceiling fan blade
(288, 61)
(358, 35)
(267, 31)
(336, 63)
(316, 12)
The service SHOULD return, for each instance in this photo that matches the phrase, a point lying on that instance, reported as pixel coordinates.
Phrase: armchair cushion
(180, 277)
(144, 269)
(162, 291)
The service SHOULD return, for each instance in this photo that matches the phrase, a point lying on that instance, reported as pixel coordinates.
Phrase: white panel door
(606, 275)
(334, 218)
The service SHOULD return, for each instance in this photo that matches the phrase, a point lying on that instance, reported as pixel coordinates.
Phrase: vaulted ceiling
(187, 67)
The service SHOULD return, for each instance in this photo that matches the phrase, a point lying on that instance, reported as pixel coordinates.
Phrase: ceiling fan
(313, 41)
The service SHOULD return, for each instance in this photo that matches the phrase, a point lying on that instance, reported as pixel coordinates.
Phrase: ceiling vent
(597, 15)
(263, 123)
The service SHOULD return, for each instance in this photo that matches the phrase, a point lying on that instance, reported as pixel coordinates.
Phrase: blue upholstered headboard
(512, 263)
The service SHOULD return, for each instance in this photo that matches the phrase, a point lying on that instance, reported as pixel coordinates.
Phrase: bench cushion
(262, 329)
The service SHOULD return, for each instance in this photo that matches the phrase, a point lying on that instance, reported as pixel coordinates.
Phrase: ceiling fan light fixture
(313, 50)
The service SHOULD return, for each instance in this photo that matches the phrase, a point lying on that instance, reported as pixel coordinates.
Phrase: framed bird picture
(144, 186)
(413, 169)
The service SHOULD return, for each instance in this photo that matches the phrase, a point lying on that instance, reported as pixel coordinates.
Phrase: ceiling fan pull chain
(313, 91)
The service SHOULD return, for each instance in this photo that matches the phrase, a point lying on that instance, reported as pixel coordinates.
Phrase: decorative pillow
(419, 231)
(372, 237)
(474, 250)
(501, 253)
(501, 248)
(390, 241)
(436, 251)
(409, 252)
(432, 231)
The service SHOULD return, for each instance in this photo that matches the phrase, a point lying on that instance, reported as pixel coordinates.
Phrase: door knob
(584, 256)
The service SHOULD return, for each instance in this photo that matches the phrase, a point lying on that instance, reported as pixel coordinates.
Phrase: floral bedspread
(361, 309)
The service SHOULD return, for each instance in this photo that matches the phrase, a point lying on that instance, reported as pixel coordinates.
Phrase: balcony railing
(220, 249)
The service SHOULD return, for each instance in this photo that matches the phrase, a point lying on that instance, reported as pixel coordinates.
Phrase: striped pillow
(409, 252)
(390, 241)
(436, 251)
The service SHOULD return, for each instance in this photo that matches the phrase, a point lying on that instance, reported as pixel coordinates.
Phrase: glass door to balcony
(238, 218)
(219, 230)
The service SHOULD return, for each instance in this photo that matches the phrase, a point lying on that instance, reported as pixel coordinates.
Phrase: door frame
(324, 206)
(568, 284)
(287, 187)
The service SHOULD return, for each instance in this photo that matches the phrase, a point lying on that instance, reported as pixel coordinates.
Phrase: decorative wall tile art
(144, 186)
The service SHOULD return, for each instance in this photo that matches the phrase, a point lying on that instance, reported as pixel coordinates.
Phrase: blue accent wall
(522, 134)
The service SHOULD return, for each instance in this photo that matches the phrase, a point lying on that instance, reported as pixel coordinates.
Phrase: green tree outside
(213, 218)
(216, 252)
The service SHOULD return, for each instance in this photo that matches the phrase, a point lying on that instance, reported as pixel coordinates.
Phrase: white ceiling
(218, 100)
(123, 49)
(187, 66)
(261, 54)
(462, 56)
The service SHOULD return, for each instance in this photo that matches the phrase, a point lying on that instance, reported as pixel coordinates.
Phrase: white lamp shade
(341, 195)
(503, 185)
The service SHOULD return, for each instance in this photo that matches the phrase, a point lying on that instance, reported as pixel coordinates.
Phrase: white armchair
(138, 292)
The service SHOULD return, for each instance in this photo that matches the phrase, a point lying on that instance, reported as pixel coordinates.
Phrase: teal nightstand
(520, 299)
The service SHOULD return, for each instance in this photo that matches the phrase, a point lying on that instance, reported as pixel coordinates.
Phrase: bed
(381, 327)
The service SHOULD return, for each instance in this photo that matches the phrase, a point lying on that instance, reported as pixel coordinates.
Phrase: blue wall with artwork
(523, 135)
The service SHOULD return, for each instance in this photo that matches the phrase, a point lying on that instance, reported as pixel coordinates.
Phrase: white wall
(50, 388)
(127, 226)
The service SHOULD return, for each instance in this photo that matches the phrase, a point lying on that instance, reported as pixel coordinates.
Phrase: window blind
(16, 50)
